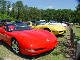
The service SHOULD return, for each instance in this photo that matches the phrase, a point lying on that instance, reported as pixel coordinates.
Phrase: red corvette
(26, 40)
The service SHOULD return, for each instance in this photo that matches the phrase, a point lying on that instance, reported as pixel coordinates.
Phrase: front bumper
(58, 32)
(39, 51)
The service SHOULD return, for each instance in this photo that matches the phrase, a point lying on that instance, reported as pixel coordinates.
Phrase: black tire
(47, 29)
(15, 46)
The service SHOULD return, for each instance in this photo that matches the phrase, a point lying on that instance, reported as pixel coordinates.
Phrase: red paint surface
(35, 37)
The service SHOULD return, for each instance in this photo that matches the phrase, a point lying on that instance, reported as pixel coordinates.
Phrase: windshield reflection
(17, 27)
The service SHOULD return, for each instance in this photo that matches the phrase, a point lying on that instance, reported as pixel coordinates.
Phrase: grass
(61, 51)
(77, 33)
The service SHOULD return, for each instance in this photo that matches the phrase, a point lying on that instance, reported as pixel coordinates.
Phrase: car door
(7, 37)
(2, 34)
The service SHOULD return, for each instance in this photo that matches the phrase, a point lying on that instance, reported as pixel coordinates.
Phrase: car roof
(6, 20)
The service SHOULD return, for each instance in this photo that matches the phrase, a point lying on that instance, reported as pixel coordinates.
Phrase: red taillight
(67, 24)
(19, 26)
(30, 26)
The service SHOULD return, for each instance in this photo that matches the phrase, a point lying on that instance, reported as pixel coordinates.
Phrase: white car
(55, 23)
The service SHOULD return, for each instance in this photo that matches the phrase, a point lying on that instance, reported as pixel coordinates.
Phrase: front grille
(34, 53)
(64, 31)
(60, 31)
(39, 49)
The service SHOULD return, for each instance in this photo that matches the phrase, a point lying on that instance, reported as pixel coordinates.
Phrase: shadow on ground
(68, 51)
(26, 56)
(36, 56)
(77, 27)
(71, 51)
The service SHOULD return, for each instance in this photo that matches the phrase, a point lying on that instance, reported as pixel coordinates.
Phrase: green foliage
(5, 16)
(25, 13)
(78, 13)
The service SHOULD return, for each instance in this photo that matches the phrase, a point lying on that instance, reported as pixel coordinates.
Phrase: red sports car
(26, 40)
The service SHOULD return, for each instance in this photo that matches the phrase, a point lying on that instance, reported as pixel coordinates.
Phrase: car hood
(57, 24)
(35, 37)
(55, 27)
(58, 27)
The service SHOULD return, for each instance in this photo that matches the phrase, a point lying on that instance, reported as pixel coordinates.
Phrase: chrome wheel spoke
(16, 42)
(13, 42)
(15, 46)
(17, 50)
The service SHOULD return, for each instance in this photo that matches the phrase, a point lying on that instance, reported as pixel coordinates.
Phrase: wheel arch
(13, 38)
(47, 29)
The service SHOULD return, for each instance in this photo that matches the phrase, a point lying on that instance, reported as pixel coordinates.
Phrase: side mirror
(3, 27)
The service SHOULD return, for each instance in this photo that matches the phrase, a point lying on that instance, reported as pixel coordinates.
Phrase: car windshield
(40, 23)
(52, 21)
(17, 27)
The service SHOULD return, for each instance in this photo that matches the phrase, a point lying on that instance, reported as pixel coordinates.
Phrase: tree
(19, 5)
(42, 14)
(3, 6)
(25, 13)
(8, 7)
(34, 13)
(78, 13)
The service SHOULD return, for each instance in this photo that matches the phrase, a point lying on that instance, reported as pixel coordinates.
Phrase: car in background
(26, 40)
(56, 23)
(54, 29)
(18, 21)
(4, 22)
(67, 23)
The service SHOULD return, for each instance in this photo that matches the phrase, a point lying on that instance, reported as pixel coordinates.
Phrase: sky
(49, 4)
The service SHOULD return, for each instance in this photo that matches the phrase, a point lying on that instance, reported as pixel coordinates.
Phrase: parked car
(18, 21)
(26, 40)
(56, 23)
(54, 29)
(4, 22)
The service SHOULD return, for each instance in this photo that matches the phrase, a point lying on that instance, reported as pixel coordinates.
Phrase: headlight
(29, 49)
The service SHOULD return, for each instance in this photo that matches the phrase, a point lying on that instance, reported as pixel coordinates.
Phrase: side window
(2, 21)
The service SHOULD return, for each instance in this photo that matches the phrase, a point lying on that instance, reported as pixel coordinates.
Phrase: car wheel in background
(47, 29)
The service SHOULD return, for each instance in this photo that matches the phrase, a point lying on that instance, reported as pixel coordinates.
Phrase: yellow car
(54, 29)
